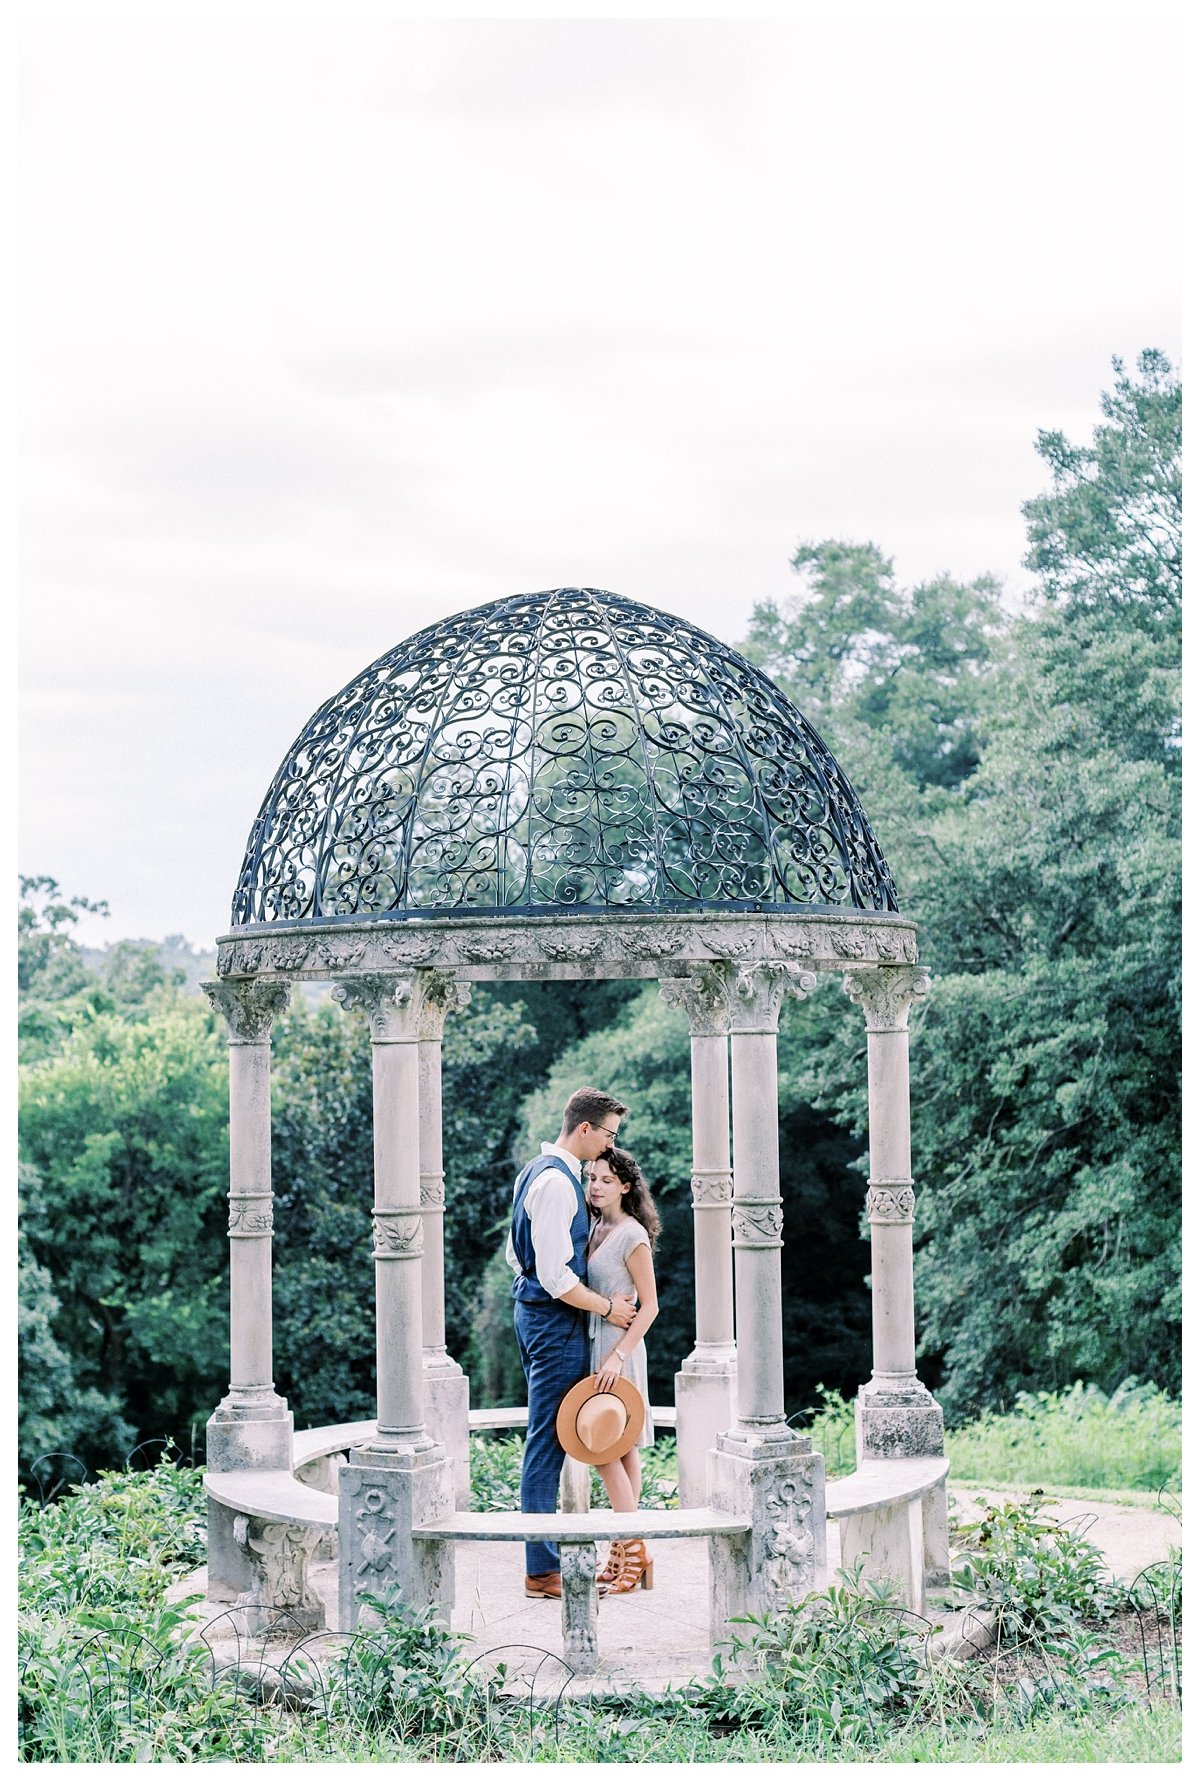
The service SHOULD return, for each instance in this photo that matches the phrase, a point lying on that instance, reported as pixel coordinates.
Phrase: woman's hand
(609, 1371)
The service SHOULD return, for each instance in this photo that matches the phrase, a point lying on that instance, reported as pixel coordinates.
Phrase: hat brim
(568, 1410)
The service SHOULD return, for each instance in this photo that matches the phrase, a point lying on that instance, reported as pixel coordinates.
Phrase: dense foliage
(1022, 770)
(113, 1670)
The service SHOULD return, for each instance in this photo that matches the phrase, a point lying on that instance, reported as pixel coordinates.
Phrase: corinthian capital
(706, 996)
(886, 994)
(249, 1006)
(759, 992)
(392, 1004)
(443, 996)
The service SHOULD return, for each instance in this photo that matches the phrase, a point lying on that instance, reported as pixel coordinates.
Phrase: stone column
(761, 1468)
(251, 1429)
(400, 1479)
(705, 1383)
(895, 1416)
(447, 1388)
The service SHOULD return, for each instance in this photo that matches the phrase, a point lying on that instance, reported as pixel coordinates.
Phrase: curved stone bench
(278, 1523)
(892, 1514)
(576, 1536)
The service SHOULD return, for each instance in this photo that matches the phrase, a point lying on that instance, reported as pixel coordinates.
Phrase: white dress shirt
(551, 1205)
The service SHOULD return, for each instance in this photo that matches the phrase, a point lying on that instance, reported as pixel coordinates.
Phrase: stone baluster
(761, 1468)
(400, 1479)
(895, 1416)
(705, 1383)
(251, 1429)
(446, 1386)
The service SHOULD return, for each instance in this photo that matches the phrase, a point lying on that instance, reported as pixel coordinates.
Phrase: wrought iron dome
(568, 751)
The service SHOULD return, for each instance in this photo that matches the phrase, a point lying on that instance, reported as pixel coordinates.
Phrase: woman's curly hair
(637, 1202)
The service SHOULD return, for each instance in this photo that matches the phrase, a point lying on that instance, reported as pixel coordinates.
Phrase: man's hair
(592, 1105)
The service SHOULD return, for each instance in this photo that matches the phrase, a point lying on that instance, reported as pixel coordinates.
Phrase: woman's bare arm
(641, 1265)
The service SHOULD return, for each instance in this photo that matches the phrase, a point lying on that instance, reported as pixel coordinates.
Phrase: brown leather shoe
(548, 1584)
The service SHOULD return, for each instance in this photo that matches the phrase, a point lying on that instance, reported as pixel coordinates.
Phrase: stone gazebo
(563, 785)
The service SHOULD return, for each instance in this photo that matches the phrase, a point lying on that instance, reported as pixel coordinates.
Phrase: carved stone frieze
(397, 1235)
(705, 995)
(602, 942)
(712, 1187)
(650, 942)
(410, 949)
(251, 1215)
(891, 1202)
(249, 1008)
(757, 1224)
(759, 992)
(567, 944)
(340, 953)
(886, 994)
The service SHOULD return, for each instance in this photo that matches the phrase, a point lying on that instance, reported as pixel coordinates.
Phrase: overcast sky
(333, 329)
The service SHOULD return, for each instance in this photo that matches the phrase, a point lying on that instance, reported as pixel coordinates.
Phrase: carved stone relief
(704, 995)
(891, 1202)
(712, 1187)
(397, 1235)
(249, 1008)
(886, 994)
(251, 1215)
(759, 993)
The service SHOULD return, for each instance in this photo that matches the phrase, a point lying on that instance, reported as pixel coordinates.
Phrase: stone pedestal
(705, 1384)
(779, 1486)
(383, 1495)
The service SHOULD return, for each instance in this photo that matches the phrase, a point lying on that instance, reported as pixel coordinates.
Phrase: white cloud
(335, 328)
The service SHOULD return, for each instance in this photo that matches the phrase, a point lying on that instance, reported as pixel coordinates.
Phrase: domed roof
(568, 750)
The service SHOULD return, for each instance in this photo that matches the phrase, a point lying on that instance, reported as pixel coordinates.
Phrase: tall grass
(1129, 1440)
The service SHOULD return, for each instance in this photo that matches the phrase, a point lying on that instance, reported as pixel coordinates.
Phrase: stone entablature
(577, 946)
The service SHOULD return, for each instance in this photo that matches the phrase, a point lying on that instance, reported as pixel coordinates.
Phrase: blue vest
(527, 1288)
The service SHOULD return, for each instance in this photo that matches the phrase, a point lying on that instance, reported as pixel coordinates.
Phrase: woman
(619, 1258)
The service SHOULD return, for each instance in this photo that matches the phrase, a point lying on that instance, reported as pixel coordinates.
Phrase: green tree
(126, 1128)
(1047, 885)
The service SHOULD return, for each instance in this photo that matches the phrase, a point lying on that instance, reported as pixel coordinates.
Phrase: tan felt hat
(599, 1426)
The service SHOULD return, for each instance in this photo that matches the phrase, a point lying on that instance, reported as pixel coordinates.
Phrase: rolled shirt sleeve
(550, 1204)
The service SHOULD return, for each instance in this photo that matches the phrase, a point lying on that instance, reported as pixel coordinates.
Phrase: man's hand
(623, 1312)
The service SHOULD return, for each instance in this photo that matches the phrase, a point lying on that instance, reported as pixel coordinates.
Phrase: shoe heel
(648, 1575)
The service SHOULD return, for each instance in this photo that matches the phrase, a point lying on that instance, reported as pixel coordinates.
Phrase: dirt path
(1130, 1539)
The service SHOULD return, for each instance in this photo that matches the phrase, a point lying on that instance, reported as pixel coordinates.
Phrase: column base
(384, 1494)
(447, 1401)
(897, 1418)
(705, 1404)
(782, 1558)
(249, 1437)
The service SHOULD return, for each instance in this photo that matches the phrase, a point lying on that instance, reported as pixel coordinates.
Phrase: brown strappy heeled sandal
(635, 1569)
(612, 1565)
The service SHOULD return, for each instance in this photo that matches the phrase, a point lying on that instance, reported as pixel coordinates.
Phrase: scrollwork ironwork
(568, 749)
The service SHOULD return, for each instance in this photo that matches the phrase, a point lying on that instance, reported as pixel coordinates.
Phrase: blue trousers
(552, 1339)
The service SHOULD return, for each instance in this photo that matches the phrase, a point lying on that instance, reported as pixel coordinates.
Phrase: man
(547, 1253)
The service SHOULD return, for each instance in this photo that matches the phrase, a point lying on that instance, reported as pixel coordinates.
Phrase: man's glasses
(608, 1132)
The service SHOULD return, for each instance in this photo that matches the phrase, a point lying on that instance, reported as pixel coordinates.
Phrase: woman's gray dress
(608, 1272)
